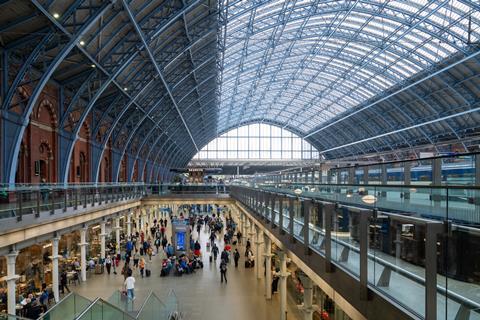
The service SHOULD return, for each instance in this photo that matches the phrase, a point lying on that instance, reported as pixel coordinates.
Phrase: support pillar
(11, 281)
(129, 224)
(307, 308)
(251, 231)
(83, 253)
(117, 234)
(103, 234)
(283, 285)
(258, 245)
(142, 220)
(268, 267)
(55, 273)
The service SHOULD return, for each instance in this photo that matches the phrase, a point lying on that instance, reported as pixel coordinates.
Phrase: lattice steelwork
(299, 64)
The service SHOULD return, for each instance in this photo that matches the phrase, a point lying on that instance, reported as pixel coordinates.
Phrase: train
(452, 174)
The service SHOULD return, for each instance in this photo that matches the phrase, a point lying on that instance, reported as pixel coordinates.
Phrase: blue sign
(181, 241)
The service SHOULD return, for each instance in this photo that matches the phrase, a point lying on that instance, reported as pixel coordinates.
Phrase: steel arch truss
(130, 71)
(302, 63)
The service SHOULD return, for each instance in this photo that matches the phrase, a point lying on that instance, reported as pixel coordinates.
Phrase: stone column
(149, 217)
(251, 232)
(129, 224)
(307, 308)
(258, 246)
(283, 285)
(244, 227)
(83, 253)
(268, 267)
(55, 273)
(142, 220)
(103, 234)
(11, 281)
(117, 233)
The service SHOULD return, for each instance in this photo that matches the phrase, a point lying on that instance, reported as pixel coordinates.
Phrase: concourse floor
(200, 295)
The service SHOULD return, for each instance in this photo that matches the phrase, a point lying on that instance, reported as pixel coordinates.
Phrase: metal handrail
(371, 186)
(105, 303)
(145, 302)
(474, 306)
(56, 305)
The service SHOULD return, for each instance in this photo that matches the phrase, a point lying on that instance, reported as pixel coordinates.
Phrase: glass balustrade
(407, 229)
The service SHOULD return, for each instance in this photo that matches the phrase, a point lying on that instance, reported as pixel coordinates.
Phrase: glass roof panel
(284, 57)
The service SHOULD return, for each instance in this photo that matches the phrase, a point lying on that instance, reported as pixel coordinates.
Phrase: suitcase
(210, 258)
(247, 264)
(148, 273)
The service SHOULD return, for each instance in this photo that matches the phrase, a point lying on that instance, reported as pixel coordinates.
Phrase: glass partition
(400, 220)
(100, 309)
(70, 307)
(152, 309)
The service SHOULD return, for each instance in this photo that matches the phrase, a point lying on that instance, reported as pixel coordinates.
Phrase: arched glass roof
(258, 141)
(301, 63)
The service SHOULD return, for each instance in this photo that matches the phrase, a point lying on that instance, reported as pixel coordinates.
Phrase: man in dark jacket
(223, 271)
(224, 256)
(236, 257)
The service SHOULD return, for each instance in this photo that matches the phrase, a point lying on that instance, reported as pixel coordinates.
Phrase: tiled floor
(200, 295)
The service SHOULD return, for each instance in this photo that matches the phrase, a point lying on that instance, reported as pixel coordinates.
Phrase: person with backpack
(223, 271)
(236, 257)
(224, 256)
(197, 248)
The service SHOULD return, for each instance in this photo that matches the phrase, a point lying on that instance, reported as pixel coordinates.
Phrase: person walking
(236, 257)
(108, 264)
(63, 282)
(130, 285)
(141, 266)
(215, 251)
(224, 256)
(158, 242)
(223, 271)
(239, 237)
(136, 258)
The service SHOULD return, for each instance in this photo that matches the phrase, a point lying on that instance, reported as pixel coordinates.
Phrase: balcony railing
(19, 200)
(427, 266)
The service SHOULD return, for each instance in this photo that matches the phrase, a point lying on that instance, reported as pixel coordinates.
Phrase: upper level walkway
(421, 270)
(37, 212)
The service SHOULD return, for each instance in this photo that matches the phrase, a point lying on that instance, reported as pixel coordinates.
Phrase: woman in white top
(129, 286)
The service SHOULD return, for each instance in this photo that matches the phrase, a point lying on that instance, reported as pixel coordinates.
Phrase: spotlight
(82, 43)
(56, 15)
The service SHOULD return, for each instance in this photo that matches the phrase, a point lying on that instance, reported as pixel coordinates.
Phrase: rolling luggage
(148, 273)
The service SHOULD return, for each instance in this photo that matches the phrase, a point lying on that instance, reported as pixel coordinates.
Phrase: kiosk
(181, 236)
